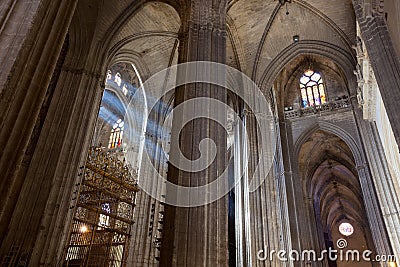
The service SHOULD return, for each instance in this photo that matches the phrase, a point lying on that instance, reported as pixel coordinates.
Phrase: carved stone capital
(371, 8)
(219, 30)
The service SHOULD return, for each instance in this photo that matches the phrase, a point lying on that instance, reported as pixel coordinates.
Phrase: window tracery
(118, 79)
(312, 89)
(116, 134)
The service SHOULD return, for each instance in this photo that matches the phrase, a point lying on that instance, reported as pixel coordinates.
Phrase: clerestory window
(312, 89)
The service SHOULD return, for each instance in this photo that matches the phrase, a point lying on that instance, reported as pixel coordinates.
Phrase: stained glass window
(312, 89)
(109, 76)
(116, 134)
(125, 90)
(118, 79)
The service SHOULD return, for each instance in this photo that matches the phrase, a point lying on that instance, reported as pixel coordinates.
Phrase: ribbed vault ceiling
(258, 30)
(328, 171)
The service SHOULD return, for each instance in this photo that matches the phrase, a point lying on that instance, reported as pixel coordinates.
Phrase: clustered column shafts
(42, 30)
(198, 236)
(384, 60)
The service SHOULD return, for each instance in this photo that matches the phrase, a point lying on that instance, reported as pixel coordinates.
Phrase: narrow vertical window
(118, 79)
(109, 75)
(116, 134)
(312, 89)
(125, 90)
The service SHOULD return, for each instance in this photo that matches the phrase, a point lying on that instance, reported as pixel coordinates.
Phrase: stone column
(385, 190)
(285, 239)
(269, 228)
(383, 56)
(198, 236)
(32, 35)
(39, 223)
(369, 186)
(147, 229)
(385, 183)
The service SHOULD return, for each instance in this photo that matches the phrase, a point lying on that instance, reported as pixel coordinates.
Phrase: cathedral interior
(308, 139)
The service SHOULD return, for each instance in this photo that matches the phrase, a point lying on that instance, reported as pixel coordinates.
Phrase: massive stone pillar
(269, 227)
(384, 180)
(46, 194)
(382, 54)
(198, 236)
(29, 55)
(38, 193)
(32, 36)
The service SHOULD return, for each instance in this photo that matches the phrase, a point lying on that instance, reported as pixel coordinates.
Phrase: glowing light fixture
(84, 229)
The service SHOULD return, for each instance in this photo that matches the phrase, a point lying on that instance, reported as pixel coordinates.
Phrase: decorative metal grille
(104, 212)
